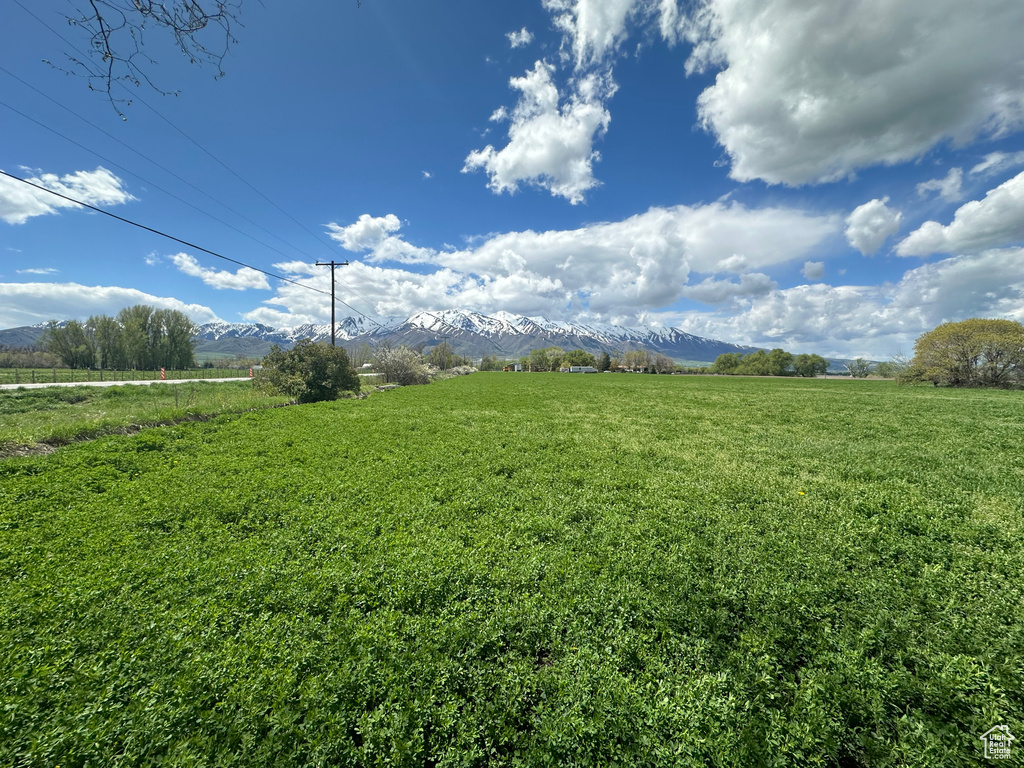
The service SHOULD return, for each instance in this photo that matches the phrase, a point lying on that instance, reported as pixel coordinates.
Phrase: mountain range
(471, 334)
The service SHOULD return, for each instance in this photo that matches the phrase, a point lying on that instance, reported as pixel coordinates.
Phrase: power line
(163, 234)
(155, 111)
(148, 159)
(143, 179)
(185, 243)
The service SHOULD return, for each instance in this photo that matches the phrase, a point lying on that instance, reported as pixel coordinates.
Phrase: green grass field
(58, 415)
(525, 570)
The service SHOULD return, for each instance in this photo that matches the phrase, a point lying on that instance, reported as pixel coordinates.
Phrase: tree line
(139, 337)
(778, 362)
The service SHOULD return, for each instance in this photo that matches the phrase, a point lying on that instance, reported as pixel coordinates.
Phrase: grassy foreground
(509, 569)
(57, 415)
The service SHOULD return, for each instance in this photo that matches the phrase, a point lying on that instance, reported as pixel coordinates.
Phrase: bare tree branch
(117, 31)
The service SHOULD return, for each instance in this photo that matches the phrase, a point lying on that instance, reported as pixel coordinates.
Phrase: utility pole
(332, 264)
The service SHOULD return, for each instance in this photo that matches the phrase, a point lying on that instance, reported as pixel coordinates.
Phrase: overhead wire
(185, 242)
(154, 110)
(161, 233)
(163, 168)
(142, 178)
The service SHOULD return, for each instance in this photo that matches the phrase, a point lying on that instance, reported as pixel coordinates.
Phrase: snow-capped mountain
(471, 333)
(505, 334)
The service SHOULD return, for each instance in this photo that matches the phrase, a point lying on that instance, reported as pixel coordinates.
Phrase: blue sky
(833, 177)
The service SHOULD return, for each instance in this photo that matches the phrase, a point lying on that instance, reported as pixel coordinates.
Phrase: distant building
(582, 369)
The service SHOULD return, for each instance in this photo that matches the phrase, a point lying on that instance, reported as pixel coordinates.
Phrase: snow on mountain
(471, 333)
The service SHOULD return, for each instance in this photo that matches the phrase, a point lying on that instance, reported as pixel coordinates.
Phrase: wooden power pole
(332, 264)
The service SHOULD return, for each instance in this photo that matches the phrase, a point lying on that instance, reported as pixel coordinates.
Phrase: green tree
(107, 335)
(727, 362)
(754, 364)
(443, 356)
(779, 362)
(309, 372)
(72, 343)
(972, 353)
(578, 357)
(810, 366)
(135, 335)
(539, 360)
(604, 362)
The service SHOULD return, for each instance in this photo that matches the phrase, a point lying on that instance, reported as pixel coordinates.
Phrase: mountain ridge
(471, 334)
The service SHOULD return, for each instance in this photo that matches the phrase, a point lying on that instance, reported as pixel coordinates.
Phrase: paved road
(112, 383)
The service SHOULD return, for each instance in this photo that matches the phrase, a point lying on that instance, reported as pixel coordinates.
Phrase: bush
(401, 365)
(308, 372)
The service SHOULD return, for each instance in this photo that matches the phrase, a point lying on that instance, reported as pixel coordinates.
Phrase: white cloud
(871, 224)
(373, 235)
(520, 38)
(811, 92)
(19, 202)
(365, 233)
(609, 269)
(32, 303)
(244, 279)
(37, 271)
(948, 187)
(995, 221)
(997, 161)
(551, 140)
(427, 175)
(873, 321)
(814, 270)
(593, 29)
(711, 291)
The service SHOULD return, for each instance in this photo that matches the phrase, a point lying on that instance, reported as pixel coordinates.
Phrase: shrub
(401, 365)
(308, 372)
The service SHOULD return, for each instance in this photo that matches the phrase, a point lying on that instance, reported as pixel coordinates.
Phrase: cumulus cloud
(995, 221)
(814, 270)
(593, 29)
(947, 187)
(365, 233)
(873, 321)
(242, 280)
(32, 303)
(712, 291)
(609, 269)
(997, 161)
(520, 38)
(550, 139)
(871, 224)
(374, 235)
(19, 202)
(811, 92)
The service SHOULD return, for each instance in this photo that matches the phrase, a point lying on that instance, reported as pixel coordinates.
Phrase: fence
(65, 375)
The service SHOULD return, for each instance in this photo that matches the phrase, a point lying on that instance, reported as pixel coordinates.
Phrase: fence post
(54, 375)
(33, 375)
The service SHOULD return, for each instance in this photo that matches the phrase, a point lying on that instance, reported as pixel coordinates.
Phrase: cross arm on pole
(332, 264)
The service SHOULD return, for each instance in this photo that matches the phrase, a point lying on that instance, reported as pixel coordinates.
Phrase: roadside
(116, 383)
